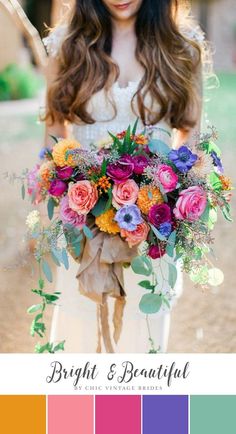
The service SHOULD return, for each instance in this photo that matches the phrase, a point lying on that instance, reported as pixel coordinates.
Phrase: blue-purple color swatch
(165, 414)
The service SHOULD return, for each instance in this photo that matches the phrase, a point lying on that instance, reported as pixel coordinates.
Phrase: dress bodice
(102, 111)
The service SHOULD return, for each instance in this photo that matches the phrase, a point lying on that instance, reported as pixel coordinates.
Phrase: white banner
(104, 374)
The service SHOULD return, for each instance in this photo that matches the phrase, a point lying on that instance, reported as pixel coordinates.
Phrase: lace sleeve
(54, 40)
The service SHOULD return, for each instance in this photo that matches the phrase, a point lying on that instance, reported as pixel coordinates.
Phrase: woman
(112, 62)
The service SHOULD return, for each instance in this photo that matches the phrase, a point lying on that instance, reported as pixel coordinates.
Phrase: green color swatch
(213, 414)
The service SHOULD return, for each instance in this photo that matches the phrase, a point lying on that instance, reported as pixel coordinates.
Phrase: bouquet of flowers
(133, 186)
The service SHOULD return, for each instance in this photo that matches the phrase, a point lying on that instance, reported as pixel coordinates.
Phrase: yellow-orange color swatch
(23, 414)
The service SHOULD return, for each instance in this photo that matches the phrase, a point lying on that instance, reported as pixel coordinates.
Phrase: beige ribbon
(100, 276)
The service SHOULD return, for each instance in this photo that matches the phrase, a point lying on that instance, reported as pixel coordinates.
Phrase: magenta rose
(156, 252)
(167, 177)
(68, 216)
(57, 187)
(64, 172)
(140, 163)
(127, 159)
(121, 170)
(159, 214)
(191, 204)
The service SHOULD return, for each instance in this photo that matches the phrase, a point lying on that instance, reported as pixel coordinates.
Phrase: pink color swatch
(70, 414)
(118, 414)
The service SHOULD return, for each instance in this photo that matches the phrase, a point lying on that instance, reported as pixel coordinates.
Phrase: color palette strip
(118, 414)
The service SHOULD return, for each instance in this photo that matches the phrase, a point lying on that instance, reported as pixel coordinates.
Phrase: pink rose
(167, 177)
(82, 196)
(137, 236)
(68, 216)
(156, 252)
(191, 204)
(125, 193)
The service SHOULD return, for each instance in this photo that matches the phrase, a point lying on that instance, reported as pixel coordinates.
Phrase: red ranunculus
(159, 214)
(156, 252)
(57, 187)
(140, 163)
(64, 172)
(120, 171)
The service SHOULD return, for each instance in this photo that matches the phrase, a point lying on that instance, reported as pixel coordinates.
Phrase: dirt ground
(201, 322)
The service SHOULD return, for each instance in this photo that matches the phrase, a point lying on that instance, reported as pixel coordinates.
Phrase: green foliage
(147, 285)
(47, 270)
(150, 303)
(50, 207)
(18, 83)
(159, 147)
(142, 265)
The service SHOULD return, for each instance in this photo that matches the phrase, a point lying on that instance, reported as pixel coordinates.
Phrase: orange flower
(60, 150)
(103, 184)
(140, 139)
(121, 135)
(135, 237)
(106, 222)
(46, 173)
(147, 197)
(226, 182)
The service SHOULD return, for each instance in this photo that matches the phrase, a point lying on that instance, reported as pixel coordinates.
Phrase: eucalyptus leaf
(50, 206)
(150, 303)
(158, 234)
(23, 191)
(87, 232)
(141, 265)
(55, 257)
(64, 258)
(173, 274)
(47, 270)
(170, 248)
(157, 146)
(99, 207)
(76, 248)
(164, 299)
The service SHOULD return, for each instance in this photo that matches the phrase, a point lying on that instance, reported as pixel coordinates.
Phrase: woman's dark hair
(171, 62)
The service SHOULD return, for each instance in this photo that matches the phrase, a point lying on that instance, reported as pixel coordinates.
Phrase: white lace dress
(75, 317)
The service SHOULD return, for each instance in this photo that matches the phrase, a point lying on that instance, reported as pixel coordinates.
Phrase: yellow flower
(147, 197)
(59, 152)
(106, 222)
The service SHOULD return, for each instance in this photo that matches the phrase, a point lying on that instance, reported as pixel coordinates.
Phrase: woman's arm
(57, 129)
